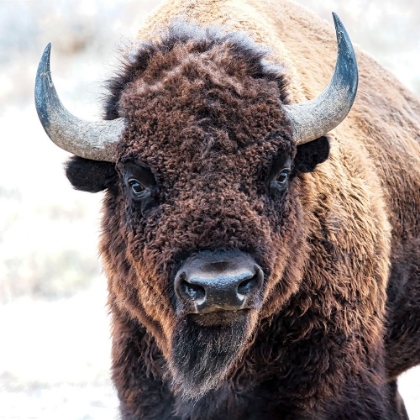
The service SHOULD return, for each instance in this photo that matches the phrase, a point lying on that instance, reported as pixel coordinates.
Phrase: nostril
(247, 286)
(218, 281)
(194, 291)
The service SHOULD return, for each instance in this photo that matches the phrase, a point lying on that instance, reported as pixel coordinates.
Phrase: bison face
(204, 232)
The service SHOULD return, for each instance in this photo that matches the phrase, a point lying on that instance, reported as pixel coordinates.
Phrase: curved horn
(313, 119)
(90, 140)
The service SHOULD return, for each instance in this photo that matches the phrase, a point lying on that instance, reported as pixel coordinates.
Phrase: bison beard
(203, 355)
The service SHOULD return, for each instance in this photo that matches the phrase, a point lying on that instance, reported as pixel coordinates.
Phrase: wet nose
(218, 281)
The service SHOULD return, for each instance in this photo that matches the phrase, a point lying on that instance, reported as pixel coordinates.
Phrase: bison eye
(280, 182)
(138, 189)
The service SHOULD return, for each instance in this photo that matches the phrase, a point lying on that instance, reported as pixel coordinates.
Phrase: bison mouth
(205, 348)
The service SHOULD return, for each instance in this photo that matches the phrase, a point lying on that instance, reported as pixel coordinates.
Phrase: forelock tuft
(136, 57)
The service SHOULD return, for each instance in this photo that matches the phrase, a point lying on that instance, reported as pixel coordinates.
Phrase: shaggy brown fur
(339, 248)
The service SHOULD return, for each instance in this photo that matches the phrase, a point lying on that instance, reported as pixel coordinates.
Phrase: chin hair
(203, 356)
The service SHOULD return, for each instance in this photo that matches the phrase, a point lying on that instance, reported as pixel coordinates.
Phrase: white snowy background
(54, 327)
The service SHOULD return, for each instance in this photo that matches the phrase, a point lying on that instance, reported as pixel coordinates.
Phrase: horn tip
(44, 63)
(339, 27)
(47, 53)
(337, 20)
(344, 41)
(41, 82)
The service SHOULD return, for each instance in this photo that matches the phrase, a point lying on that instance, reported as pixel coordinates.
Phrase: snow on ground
(409, 386)
(55, 358)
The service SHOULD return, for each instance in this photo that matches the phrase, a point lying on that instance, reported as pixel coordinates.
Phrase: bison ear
(91, 175)
(311, 154)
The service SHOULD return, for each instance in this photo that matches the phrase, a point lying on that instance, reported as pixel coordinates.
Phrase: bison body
(321, 241)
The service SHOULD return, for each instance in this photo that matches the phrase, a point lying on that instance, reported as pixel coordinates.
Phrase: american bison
(262, 254)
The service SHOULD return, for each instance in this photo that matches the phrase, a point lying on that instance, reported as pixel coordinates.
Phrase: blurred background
(54, 327)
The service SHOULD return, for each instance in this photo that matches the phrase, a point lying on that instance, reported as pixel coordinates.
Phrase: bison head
(205, 228)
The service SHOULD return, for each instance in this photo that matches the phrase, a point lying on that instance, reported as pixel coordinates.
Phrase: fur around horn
(315, 118)
(90, 140)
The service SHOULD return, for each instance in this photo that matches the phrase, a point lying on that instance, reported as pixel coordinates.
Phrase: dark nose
(218, 281)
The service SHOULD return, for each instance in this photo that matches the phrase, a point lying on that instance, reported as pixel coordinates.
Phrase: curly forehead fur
(241, 56)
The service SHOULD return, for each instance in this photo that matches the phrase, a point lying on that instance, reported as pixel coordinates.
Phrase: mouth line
(220, 318)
